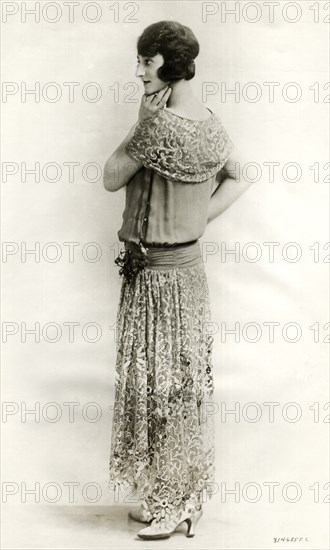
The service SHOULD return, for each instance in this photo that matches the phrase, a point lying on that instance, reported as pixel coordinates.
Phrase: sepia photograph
(165, 246)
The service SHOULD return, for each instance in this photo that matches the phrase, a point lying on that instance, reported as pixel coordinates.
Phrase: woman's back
(167, 201)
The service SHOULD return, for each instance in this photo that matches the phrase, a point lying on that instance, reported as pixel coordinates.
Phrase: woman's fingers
(163, 99)
(164, 91)
(151, 103)
(167, 94)
(159, 96)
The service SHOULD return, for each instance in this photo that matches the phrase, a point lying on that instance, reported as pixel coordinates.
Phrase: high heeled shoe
(138, 513)
(156, 531)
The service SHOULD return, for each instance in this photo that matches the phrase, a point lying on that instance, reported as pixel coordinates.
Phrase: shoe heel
(192, 522)
(190, 528)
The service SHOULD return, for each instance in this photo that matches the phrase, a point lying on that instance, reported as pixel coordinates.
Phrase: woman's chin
(151, 91)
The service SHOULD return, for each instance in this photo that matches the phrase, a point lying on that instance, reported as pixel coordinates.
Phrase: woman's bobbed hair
(176, 43)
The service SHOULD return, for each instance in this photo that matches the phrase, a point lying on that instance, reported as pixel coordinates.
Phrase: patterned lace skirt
(162, 442)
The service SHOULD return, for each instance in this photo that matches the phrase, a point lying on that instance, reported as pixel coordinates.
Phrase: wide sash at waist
(168, 257)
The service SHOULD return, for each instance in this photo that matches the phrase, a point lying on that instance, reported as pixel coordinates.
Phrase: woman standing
(163, 433)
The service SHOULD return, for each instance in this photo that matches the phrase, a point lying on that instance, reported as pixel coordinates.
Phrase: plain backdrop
(55, 289)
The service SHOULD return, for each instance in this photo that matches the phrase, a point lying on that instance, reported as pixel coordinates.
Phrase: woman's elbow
(108, 183)
(109, 179)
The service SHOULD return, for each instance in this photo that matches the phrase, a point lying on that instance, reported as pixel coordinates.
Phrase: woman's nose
(139, 71)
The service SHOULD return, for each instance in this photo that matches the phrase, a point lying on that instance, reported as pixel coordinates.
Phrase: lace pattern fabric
(162, 443)
(181, 149)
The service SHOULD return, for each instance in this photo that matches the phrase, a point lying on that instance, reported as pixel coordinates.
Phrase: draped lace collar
(181, 149)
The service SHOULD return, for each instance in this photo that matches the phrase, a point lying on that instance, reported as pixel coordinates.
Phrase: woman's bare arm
(120, 167)
(231, 185)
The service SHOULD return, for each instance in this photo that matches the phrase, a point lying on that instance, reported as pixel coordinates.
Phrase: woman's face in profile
(147, 68)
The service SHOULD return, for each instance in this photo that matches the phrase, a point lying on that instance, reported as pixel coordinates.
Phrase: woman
(163, 434)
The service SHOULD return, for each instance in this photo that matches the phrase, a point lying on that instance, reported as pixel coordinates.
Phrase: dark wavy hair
(176, 43)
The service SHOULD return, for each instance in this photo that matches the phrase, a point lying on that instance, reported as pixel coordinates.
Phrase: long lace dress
(162, 445)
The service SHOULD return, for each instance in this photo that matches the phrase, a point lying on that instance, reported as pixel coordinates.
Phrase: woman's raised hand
(151, 103)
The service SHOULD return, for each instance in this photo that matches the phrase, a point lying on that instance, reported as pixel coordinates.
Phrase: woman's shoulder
(175, 121)
(199, 114)
(178, 148)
